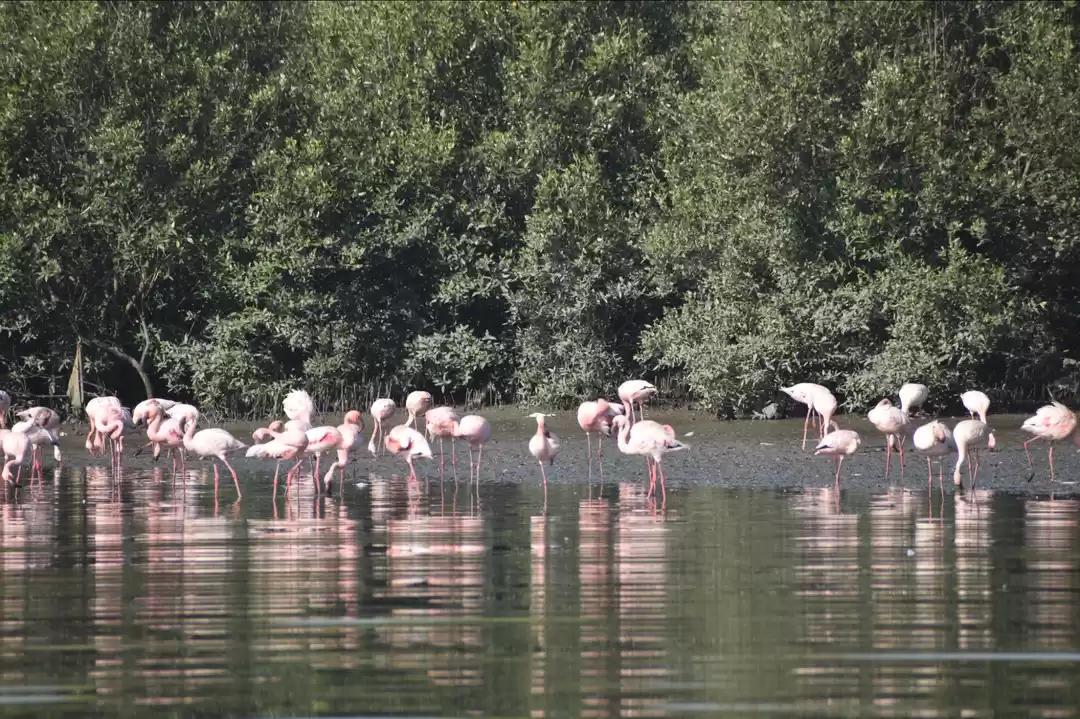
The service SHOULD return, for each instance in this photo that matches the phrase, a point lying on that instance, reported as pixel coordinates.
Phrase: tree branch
(136, 364)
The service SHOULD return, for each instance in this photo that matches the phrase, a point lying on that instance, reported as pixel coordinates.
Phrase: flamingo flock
(173, 427)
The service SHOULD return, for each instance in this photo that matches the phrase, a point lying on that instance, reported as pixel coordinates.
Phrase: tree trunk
(135, 363)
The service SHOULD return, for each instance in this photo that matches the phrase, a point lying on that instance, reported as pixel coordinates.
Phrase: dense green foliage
(536, 200)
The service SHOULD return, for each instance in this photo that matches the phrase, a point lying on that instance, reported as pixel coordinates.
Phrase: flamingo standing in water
(14, 445)
(635, 391)
(95, 413)
(934, 439)
(284, 443)
(440, 423)
(651, 440)
(544, 445)
(1053, 422)
(475, 430)
(417, 403)
(969, 436)
(39, 437)
(351, 431)
(216, 444)
(895, 425)
(407, 441)
(163, 431)
(595, 418)
(5, 405)
(381, 410)
(806, 393)
(976, 403)
(320, 441)
(114, 423)
(839, 443)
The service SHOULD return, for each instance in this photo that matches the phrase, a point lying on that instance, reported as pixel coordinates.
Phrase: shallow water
(759, 589)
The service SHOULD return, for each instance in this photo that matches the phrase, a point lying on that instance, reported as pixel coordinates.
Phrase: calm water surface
(759, 590)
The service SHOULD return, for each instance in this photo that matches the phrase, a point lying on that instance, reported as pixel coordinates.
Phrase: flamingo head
(353, 417)
(276, 426)
(620, 421)
(990, 441)
(939, 431)
(884, 404)
(540, 417)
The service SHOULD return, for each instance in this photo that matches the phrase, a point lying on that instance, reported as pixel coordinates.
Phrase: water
(759, 590)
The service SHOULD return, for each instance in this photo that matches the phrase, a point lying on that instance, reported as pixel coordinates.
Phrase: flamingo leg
(479, 459)
(1026, 450)
(930, 472)
(663, 488)
(1051, 461)
(543, 474)
(235, 480)
(888, 455)
(215, 478)
(900, 446)
(588, 445)
(442, 456)
(600, 446)
(806, 423)
(839, 464)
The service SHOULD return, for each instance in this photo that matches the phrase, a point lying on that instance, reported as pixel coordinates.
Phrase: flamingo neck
(624, 437)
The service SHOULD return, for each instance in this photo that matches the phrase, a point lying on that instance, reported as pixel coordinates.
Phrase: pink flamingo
(95, 411)
(595, 418)
(39, 437)
(381, 410)
(839, 443)
(142, 409)
(1053, 422)
(42, 417)
(806, 393)
(14, 445)
(544, 445)
(160, 431)
(934, 439)
(912, 396)
(976, 403)
(285, 443)
(114, 422)
(351, 430)
(969, 435)
(216, 444)
(635, 391)
(417, 403)
(440, 423)
(407, 441)
(651, 440)
(320, 441)
(5, 405)
(475, 430)
(895, 425)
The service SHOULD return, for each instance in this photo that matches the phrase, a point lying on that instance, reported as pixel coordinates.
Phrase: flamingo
(14, 445)
(406, 440)
(440, 423)
(161, 431)
(142, 409)
(934, 439)
(285, 443)
(806, 393)
(381, 410)
(39, 437)
(299, 408)
(320, 441)
(114, 422)
(184, 414)
(976, 403)
(5, 405)
(417, 403)
(895, 425)
(475, 430)
(544, 445)
(824, 404)
(839, 443)
(912, 396)
(1052, 422)
(650, 440)
(351, 430)
(42, 417)
(635, 390)
(95, 411)
(595, 418)
(969, 436)
(216, 444)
